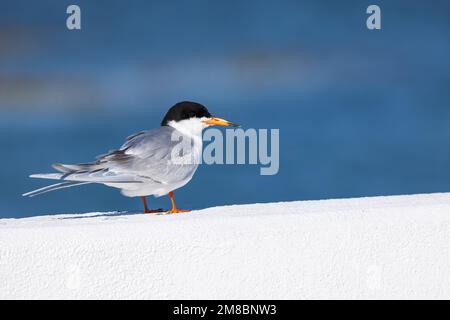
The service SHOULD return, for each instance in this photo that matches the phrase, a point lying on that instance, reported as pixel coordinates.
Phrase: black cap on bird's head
(186, 110)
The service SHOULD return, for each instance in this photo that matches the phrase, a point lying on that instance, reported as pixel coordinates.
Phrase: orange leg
(146, 209)
(174, 207)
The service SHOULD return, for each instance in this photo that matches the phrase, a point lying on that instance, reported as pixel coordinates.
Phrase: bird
(149, 163)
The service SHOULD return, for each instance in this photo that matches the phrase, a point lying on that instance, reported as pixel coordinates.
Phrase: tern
(149, 162)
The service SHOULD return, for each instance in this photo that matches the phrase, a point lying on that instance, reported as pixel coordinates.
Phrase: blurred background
(360, 112)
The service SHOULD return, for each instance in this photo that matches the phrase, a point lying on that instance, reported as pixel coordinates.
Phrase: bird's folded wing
(145, 157)
(148, 155)
(99, 176)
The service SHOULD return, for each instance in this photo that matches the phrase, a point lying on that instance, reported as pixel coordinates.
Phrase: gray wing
(148, 155)
(144, 158)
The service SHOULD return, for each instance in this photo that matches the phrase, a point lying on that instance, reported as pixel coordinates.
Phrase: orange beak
(220, 122)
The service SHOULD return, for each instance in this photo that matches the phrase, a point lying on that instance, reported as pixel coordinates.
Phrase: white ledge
(364, 248)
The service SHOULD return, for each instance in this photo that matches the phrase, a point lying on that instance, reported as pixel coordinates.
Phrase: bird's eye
(190, 114)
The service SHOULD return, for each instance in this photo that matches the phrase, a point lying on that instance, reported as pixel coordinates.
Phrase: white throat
(190, 127)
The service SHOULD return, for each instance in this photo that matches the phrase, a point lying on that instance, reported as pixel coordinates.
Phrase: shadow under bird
(145, 165)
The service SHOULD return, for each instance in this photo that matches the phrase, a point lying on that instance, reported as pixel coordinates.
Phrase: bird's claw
(172, 211)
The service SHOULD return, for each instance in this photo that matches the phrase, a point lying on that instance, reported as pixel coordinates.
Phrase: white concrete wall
(385, 247)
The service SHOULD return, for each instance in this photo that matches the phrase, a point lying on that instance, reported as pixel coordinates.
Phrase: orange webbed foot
(172, 211)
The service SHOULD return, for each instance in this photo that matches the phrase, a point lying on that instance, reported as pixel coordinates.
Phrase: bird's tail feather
(56, 186)
(78, 174)
(53, 176)
(71, 168)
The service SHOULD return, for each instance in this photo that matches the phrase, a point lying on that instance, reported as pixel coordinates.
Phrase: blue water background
(360, 113)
